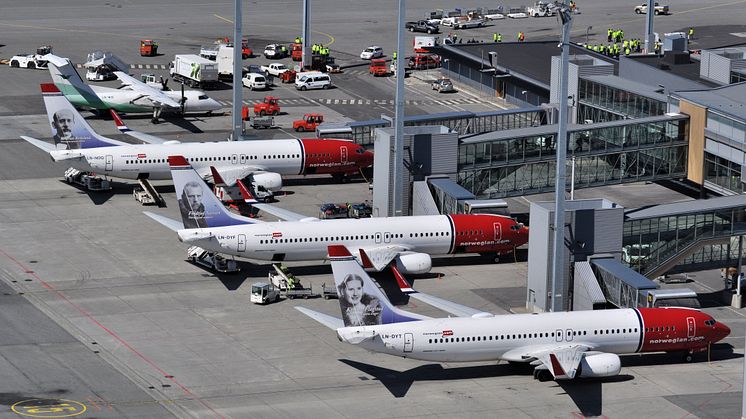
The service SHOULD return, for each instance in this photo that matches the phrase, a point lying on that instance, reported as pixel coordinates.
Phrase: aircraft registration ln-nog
(77, 144)
(561, 345)
(408, 242)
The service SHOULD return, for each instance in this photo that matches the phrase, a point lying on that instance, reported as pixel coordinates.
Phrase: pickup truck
(274, 69)
(658, 9)
(422, 26)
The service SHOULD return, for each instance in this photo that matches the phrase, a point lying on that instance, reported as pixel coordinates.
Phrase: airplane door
(243, 158)
(558, 333)
(234, 158)
(387, 238)
(691, 327)
(408, 342)
(568, 335)
(241, 243)
(109, 163)
(343, 154)
(378, 237)
(498, 231)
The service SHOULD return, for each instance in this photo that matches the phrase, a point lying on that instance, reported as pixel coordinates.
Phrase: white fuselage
(128, 100)
(136, 161)
(504, 337)
(299, 240)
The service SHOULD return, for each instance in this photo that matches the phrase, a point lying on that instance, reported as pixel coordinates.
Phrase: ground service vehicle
(443, 86)
(269, 106)
(296, 52)
(424, 61)
(31, 60)
(466, 23)
(274, 69)
(331, 211)
(102, 65)
(422, 26)
(210, 260)
(540, 9)
(331, 66)
(494, 14)
(378, 67)
(263, 293)
(87, 180)
(275, 51)
(148, 48)
(254, 81)
(224, 60)
(422, 42)
(658, 9)
(517, 13)
(194, 71)
(254, 68)
(288, 76)
(313, 80)
(308, 123)
(371, 52)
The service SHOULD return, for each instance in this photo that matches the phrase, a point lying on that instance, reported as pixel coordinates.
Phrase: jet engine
(414, 263)
(269, 181)
(599, 365)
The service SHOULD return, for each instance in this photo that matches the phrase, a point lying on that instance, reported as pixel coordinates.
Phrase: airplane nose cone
(721, 331)
(367, 158)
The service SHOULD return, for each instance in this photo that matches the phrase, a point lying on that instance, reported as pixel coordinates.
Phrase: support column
(398, 172)
(237, 68)
(306, 41)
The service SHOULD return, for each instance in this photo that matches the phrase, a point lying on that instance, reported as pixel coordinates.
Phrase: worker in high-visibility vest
(297, 39)
(394, 54)
(521, 36)
(499, 37)
(494, 37)
(690, 34)
(608, 34)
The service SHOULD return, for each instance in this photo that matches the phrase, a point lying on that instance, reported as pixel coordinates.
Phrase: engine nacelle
(414, 263)
(270, 181)
(599, 365)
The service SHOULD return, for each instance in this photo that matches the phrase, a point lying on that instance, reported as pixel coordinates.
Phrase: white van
(254, 81)
(313, 81)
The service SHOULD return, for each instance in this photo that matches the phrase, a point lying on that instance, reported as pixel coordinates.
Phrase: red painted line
(111, 333)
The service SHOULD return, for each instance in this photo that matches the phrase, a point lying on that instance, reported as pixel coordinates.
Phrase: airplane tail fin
(199, 207)
(362, 301)
(67, 79)
(69, 129)
(248, 197)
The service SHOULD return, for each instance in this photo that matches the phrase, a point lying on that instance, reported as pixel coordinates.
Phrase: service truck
(422, 26)
(194, 71)
(225, 61)
(31, 60)
(264, 292)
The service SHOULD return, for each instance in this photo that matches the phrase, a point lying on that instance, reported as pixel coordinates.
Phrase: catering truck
(194, 71)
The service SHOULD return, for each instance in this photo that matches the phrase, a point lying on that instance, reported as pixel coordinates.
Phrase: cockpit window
(360, 151)
(709, 322)
(202, 97)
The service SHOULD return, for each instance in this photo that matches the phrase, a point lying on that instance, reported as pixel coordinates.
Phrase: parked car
(254, 81)
(443, 86)
(658, 9)
(371, 52)
(313, 80)
(275, 51)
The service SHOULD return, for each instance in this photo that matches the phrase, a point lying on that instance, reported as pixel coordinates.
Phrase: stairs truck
(194, 71)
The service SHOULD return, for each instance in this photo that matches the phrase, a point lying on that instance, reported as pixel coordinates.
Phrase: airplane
(133, 96)
(77, 144)
(560, 345)
(407, 242)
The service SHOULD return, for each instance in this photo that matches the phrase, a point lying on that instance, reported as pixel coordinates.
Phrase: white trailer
(194, 71)
(87, 180)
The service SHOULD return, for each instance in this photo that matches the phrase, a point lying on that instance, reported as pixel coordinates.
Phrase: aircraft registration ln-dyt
(561, 345)
(407, 242)
(78, 145)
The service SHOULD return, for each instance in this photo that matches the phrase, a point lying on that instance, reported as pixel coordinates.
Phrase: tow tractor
(87, 180)
(148, 48)
(269, 106)
(308, 123)
(31, 60)
(256, 121)
(210, 260)
(288, 76)
(288, 284)
(378, 67)
(296, 52)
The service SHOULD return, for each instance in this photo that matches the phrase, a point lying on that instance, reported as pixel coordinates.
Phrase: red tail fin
(404, 285)
(216, 176)
(247, 196)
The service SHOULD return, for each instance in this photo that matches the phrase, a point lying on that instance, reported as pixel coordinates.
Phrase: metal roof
(587, 278)
(629, 86)
(729, 100)
(451, 188)
(687, 207)
(625, 274)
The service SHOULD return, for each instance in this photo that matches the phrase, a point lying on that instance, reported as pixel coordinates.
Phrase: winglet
(367, 264)
(404, 285)
(557, 369)
(177, 161)
(118, 121)
(216, 176)
(338, 251)
(247, 196)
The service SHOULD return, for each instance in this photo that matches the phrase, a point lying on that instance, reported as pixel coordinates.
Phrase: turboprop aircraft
(561, 345)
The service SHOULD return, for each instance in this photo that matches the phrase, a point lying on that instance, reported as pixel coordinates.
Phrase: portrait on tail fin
(191, 206)
(358, 307)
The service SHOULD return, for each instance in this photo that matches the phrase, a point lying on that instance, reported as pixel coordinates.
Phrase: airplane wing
(146, 138)
(168, 222)
(456, 309)
(56, 154)
(561, 360)
(154, 95)
(325, 319)
(278, 212)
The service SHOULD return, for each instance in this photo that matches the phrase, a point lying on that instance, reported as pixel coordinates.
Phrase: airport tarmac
(100, 309)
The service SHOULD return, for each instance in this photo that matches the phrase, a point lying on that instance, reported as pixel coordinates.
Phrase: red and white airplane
(76, 143)
(408, 242)
(561, 345)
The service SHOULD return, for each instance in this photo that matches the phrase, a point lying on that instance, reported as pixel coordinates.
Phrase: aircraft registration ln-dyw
(561, 345)
(78, 145)
(408, 242)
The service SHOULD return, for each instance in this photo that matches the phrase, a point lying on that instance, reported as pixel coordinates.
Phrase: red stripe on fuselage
(333, 156)
(486, 233)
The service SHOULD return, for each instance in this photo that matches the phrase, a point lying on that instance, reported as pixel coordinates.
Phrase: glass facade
(723, 173)
(615, 101)
(605, 155)
(737, 77)
(649, 243)
(727, 127)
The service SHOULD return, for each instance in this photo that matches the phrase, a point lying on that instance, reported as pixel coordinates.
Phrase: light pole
(558, 251)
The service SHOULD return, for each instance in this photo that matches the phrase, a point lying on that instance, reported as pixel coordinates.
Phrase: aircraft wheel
(688, 357)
